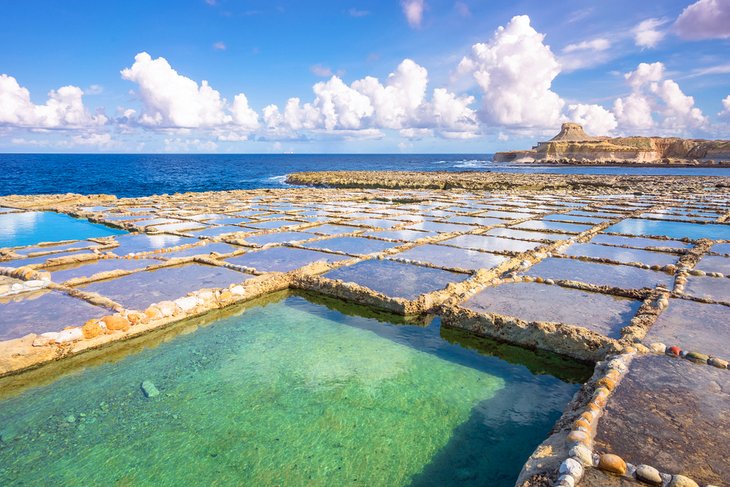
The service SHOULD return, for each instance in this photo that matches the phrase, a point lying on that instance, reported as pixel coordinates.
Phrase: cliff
(573, 146)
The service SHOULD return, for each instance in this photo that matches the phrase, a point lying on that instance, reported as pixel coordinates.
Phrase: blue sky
(618, 67)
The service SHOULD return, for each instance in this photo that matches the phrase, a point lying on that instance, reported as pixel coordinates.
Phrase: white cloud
(189, 145)
(595, 119)
(367, 105)
(656, 103)
(64, 108)
(323, 71)
(171, 100)
(94, 90)
(243, 115)
(598, 44)
(585, 54)
(647, 33)
(219, 46)
(705, 19)
(413, 10)
(355, 12)
(726, 107)
(515, 71)
(397, 101)
(94, 139)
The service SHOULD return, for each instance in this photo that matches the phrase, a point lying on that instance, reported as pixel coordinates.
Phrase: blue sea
(131, 175)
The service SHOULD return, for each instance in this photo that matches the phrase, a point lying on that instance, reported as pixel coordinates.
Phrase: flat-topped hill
(573, 146)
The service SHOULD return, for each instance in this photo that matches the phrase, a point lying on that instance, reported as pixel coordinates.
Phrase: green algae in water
(285, 394)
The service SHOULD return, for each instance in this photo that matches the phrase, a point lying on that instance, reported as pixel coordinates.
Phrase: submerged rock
(149, 389)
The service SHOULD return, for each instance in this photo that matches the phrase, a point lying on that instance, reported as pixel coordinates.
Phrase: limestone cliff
(573, 145)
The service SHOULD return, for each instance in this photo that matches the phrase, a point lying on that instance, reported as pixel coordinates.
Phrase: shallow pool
(290, 393)
(32, 227)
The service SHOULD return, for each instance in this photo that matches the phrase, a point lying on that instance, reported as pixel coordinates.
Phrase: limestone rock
(682, 481)
(149, 389)
(609, 462)
(648, 475)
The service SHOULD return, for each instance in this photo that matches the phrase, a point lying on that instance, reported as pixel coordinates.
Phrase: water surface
(291, 393)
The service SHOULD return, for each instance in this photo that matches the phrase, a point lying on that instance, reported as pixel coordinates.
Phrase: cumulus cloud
(219, 46)
(64, 108)
(647, 33)
(705, 19)
(171, 100)
(369, 105)
(726, 107)
(656, 103)
(413, 10)
(595, 119)
(189, 145)
(515, 71)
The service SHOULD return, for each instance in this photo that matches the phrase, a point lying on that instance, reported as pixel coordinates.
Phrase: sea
(133, 175)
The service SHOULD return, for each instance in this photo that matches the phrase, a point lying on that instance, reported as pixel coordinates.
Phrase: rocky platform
(573, 146)
(634, 281)
(506, 182)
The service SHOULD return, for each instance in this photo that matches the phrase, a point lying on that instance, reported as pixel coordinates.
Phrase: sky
(413, 76)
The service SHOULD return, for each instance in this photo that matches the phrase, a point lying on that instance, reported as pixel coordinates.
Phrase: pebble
(571, 467)
(648, 474)
(697, 357)
(718, 362)
(682, 481)
(658, 347)
(582, 454)
(549, 281)
(577, 436)
(149, 389)
(676, 351)
(609, 462)
(566, 481)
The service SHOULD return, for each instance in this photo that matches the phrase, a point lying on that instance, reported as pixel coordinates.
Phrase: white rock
(167, 308)
(17, 287)
(187, 303)
(70, 335)
(582, 454)
(36, 283)
(566, 481)
(571, 467)
(238, 290)
(206, 295)
(42, 341)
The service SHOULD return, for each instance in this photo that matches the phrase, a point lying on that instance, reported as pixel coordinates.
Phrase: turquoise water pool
(286, 393)
(32, 227)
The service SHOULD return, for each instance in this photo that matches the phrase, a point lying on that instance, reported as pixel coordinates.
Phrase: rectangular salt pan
(715, 288)
(693, 326)
(351, 245)
(529, 301)
(451, 257)
(493, 244)
(139, 290)
(621, 276)
(639, 242)
(43, 311)
(283, 259)
(671, 229)
(89, 268)
(395, 279)
(620, 254)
